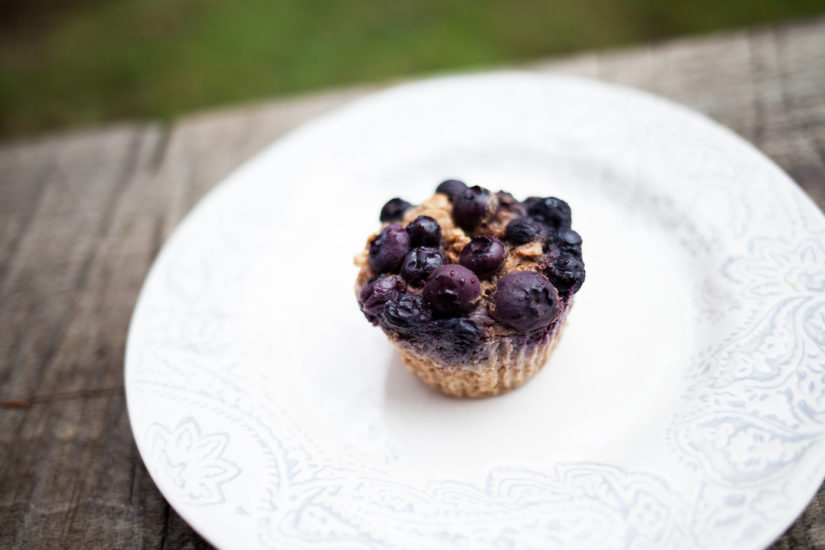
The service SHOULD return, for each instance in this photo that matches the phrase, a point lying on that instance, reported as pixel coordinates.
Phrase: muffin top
(468, 264)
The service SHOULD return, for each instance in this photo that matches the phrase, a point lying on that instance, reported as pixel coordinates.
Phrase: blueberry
(551, 211)
(394, 210)
(388, 249)
(552, 250)
(529, 202)
(483, 255)
(569, 241)
(451, 188)
(471, 206)
(460, 331)
(406, 312)
(420, 262)
(375, 294)
(569, 238)
(524, 230)
(526, 300)
(424, 231)
(452, 289)
(566, 272)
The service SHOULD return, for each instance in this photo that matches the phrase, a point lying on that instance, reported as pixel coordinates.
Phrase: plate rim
(188, 513)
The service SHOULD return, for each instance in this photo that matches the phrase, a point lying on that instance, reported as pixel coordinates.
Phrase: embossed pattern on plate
(685, 407)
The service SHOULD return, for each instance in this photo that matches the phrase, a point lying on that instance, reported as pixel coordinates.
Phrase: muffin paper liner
(508, 364)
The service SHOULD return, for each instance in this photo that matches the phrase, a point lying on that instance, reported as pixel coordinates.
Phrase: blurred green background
(65, 63)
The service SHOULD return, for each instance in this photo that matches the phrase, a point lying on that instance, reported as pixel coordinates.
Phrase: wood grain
(83, 215)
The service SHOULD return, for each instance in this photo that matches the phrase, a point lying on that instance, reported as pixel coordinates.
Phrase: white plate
(685, 406)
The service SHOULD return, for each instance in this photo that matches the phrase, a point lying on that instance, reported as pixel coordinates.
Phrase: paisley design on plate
(191, 460)
(740, 452)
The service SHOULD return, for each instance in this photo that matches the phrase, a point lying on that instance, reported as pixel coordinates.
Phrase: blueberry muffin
(472, 287)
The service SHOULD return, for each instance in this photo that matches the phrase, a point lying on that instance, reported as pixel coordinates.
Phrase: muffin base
(507, 368)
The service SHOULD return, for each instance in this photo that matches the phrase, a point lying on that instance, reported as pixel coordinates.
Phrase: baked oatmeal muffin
(472, 287)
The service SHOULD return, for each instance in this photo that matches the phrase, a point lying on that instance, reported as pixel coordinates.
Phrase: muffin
(472, 287)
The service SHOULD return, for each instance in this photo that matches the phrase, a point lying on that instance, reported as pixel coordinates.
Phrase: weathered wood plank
(795, 139)
(83, 215)
(65, 314)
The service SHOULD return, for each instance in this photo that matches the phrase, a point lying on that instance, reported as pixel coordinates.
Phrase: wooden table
(83, 215)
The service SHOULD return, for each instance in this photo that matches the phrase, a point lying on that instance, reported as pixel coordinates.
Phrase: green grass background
(66, 63)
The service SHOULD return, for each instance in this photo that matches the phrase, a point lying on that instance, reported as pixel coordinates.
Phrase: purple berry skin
(424, 231)
(388, 249)
(570, 239)
(471, 207)
(552, 212)
(483, 255)
(375, 294)
(524, 230)
(394, 210)
(406, 312)
(420, 262)
(566, 272)
(452, 289)
(451, 188)
(526, 300)
(567, 242)
(529, 202)
(461, 333)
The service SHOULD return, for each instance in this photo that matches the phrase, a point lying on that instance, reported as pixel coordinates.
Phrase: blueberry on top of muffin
(468, 264)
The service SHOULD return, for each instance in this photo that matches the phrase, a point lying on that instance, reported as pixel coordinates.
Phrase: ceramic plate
(684, 408)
